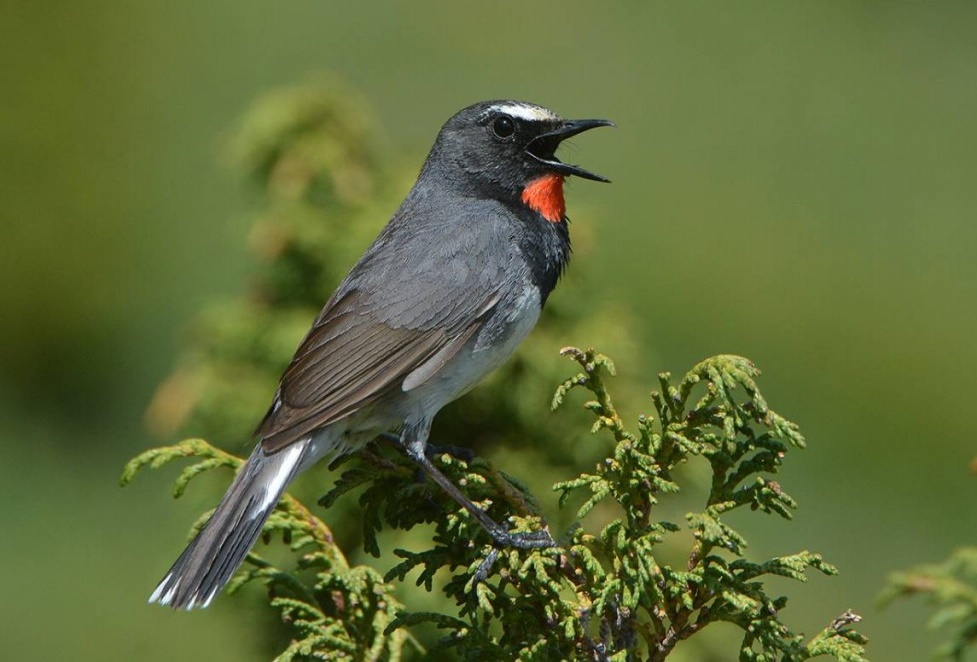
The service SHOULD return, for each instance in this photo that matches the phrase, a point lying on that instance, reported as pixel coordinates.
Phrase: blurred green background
(793, 181)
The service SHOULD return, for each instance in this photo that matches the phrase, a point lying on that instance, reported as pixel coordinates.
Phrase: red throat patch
(545, 195)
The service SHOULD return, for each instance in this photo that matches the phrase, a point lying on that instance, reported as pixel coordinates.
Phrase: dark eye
(503, 126)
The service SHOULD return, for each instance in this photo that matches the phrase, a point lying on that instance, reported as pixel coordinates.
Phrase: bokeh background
(793, 181)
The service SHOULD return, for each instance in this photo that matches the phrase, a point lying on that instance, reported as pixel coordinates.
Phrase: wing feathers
(347, 361)
(350, 358)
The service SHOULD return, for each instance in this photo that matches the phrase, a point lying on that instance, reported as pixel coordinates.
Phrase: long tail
(208, 562)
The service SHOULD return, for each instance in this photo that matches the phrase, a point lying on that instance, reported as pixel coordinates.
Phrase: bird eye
(503, 126)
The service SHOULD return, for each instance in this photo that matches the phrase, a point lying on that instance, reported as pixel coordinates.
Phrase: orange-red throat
(545, 195)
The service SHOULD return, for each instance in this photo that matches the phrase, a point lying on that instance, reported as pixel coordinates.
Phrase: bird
(445, 293)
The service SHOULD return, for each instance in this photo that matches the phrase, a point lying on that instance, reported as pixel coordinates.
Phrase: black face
(505, 145)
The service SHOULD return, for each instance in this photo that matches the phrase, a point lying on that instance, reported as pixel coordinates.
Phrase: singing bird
(444, 295)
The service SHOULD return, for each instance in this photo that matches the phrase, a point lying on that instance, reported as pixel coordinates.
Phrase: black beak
(543, 148)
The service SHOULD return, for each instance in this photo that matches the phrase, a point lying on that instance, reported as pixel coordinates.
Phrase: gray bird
(443, 296)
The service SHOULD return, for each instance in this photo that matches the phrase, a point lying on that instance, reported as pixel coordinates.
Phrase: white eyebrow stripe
(525, 112)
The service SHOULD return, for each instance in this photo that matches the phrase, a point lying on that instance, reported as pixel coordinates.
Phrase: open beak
(543, 148)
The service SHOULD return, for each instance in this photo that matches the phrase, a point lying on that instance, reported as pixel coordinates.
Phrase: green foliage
(951, 588)
(600, 594)
(605, 595)
(608, 591)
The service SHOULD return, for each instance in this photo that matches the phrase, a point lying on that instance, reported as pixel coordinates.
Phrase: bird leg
(466, 455)
(501, 536)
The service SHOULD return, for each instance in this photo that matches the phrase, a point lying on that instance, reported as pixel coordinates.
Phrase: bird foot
(524, 539)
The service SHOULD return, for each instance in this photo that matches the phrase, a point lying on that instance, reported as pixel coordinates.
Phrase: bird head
(507, 149)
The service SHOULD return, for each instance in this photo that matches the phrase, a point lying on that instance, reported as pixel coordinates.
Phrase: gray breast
(484, 352)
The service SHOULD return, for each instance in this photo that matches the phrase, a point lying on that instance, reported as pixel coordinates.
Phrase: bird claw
(486, 565)
(524, 539)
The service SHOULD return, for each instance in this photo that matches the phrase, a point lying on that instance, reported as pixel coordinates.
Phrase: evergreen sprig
(599, 595)
(605, 595)
(950, 588)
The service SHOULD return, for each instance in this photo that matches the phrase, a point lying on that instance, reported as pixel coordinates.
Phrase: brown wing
(348, 360)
